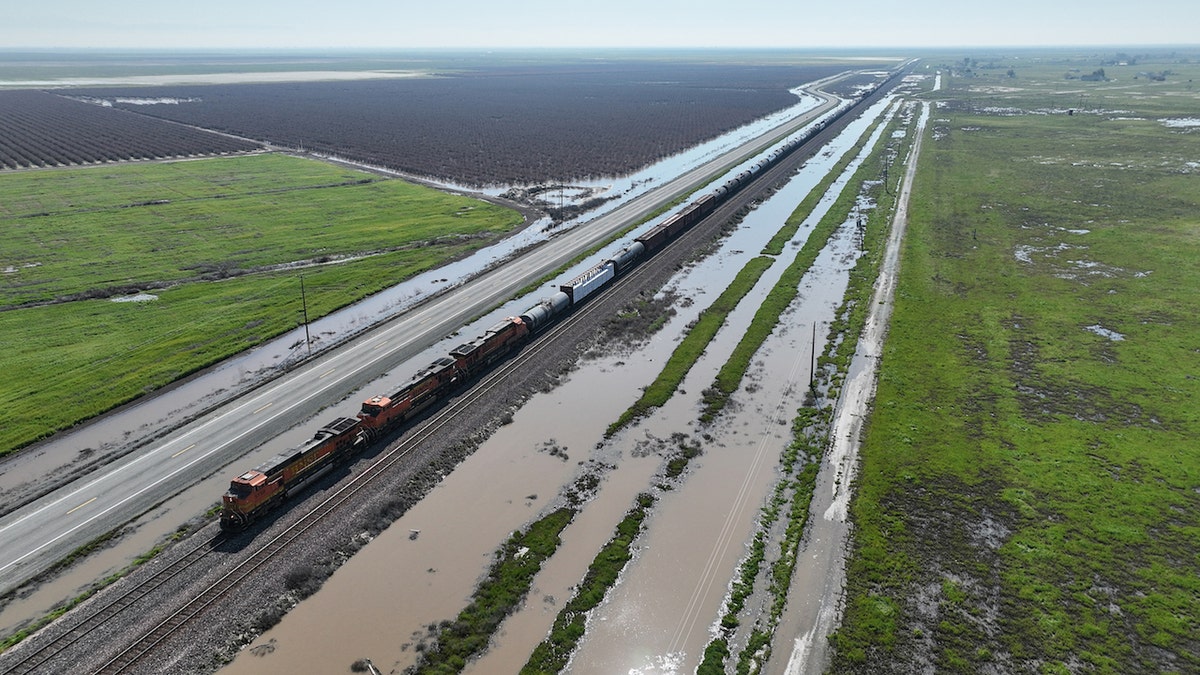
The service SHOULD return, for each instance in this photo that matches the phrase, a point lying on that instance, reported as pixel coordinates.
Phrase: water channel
(138, 423)
(421, 570)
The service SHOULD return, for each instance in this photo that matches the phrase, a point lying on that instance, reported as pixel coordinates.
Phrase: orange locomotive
(426, 387)
(259, 490)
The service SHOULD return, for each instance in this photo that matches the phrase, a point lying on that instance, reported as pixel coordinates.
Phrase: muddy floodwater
(421, 571)
(139, 423)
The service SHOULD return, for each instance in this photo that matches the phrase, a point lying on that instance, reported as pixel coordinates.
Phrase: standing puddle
(400, 585)
(658, 620)
(422, 570)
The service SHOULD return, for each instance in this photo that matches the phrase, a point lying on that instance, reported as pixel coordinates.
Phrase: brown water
(658, 618)
(661, 616)
(399, 585)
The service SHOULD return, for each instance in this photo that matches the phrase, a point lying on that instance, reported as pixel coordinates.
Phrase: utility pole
(887, 160)
(304, 304)
(812, 362)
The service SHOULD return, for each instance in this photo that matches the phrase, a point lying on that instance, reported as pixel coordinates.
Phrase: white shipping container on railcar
(590, 281)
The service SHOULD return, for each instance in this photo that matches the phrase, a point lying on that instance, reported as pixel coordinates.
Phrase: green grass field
(1029, 488)
(211, 238)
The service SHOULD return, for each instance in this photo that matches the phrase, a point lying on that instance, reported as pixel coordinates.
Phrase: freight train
(257, 491)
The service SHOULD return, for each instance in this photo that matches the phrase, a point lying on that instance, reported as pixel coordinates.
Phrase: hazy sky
(569, 23)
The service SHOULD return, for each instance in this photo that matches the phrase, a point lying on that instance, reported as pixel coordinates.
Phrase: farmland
(77, 238)
(496, 125)
(1029, 487)
(42, 129)
(216, 241)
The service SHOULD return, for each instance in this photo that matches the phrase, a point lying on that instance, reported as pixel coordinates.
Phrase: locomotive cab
(240, 500)
(373, 406)
(242, 488)
(244, 484)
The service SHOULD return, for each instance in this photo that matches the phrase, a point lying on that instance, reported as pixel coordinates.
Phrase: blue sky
(154, 24)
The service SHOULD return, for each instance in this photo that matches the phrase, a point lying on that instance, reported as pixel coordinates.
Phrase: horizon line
(584, 48)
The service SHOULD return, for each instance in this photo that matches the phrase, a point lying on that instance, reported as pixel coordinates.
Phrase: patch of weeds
(552, 654)
(1027, 498)
(693, 345)
(506, 585)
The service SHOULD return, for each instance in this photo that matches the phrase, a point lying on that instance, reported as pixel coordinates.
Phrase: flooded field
(114, 434)
(383, 603)
(211, 78)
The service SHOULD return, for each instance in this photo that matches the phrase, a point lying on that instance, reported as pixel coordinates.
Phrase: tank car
(628, 257)
(540, 315)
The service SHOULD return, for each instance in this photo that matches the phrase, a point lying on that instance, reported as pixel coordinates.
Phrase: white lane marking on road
(199, 457)
(348, 354)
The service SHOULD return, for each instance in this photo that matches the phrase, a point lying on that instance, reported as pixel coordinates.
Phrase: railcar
(590, 281)
(260, 489)
(380, 413)
(654, 239)
(628, 257)
(263, 488)
(540, 315)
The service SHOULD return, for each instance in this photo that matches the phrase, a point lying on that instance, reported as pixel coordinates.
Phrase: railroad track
(132, 654)
(104, 613)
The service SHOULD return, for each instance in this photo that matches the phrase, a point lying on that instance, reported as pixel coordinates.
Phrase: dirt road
(813, 616)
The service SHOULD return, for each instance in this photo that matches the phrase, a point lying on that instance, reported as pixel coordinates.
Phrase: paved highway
(44, 531)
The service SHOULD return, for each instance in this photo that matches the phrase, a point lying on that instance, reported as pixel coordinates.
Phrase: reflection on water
(500, 487)
(422, 569)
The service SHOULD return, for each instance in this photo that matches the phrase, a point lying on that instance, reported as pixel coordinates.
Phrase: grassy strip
(840, 347)
(794, 489)
(851, 315)
(1027, 495)
(520, 559)
(69, 361)
(729, 378)
(810, 436)
(693, 344)
(507, 583)
(802, 211)
(552, 654)
(758, 646)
